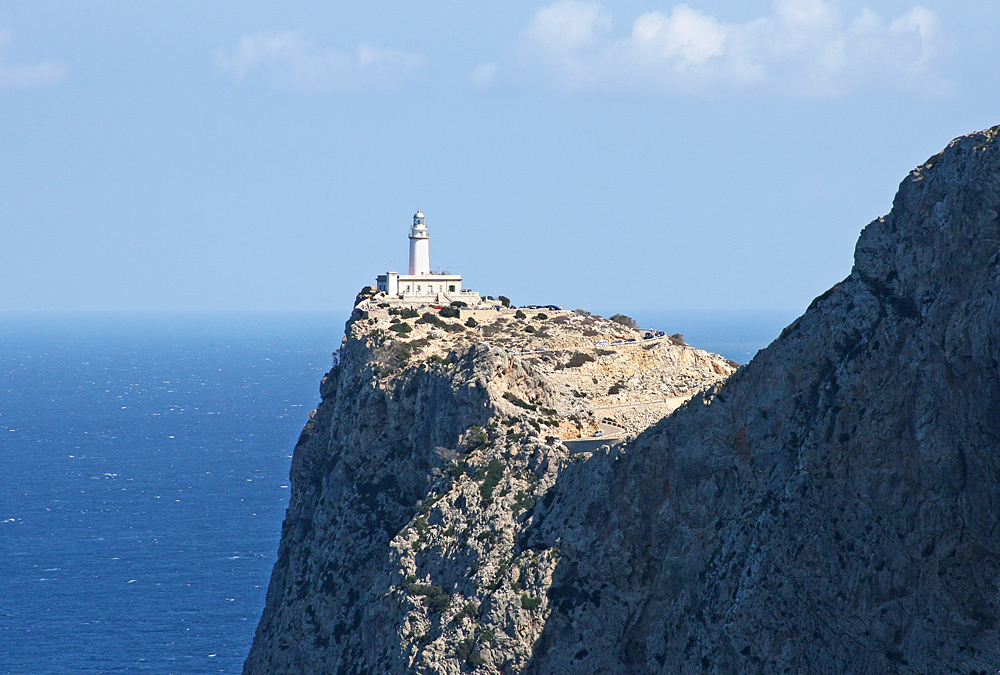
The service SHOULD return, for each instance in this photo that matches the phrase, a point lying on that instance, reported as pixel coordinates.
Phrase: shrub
(626, 321)
(458, 303)
(408, 313)
(523, 501)
(529, 603)
(578, 359)
(399, 354)
(471, 323)
(529, 329)
(494, 472)
(508, 396)
(432, 319)
(465, 648)
(471, 611)
(466, 652)
(520, 315)
(477, 439)
(678, 339)
(504, 300)
(435, 598)
(401, 328)
(457, 469)
(450, 312)
(542, 316)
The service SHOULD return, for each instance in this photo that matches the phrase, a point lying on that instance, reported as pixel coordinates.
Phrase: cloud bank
(26, 76)
(288, 60)
(808, 48)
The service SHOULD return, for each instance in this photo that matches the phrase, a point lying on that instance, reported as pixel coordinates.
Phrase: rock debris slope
(835, 506)
(420, 470)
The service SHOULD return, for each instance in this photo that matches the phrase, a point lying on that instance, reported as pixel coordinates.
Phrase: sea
(144, 461)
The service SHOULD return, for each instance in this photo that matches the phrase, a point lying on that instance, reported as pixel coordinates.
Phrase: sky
(224, 155)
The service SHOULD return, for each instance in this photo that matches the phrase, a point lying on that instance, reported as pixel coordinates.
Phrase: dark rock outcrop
(833, 507)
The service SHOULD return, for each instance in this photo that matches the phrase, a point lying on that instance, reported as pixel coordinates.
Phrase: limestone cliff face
(835, 506)
(419, 472)
(832, 507)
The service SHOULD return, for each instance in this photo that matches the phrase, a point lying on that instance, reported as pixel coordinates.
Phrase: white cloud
(687, 36)
(24, 75)
(484, 74)
(288, 60)
(569, 25)
(803, 48)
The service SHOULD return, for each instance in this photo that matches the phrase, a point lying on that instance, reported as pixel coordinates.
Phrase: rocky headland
(830, 507)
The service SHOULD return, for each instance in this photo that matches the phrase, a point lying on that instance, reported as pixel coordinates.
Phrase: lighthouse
(421, 286)
(420, 257)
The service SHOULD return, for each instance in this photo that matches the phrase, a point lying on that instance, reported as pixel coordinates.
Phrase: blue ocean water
(735, 334)
(145, 462)
(145, 476)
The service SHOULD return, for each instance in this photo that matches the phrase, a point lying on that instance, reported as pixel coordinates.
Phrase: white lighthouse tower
(421, 286)
(420, 257)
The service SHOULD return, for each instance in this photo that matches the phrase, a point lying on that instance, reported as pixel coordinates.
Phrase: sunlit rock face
(835, 506)
(418, 477)
(832, 507)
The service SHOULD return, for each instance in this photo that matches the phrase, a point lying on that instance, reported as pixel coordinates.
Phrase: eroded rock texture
(418, 476)
(833, 507)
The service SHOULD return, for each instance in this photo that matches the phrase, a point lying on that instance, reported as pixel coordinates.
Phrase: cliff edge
(418, 475)
(831, 507)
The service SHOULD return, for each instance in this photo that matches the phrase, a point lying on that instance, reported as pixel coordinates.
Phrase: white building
(422, 285)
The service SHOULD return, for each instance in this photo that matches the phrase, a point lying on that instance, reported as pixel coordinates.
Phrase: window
(418, 288)
(451, 288)
(407, 288)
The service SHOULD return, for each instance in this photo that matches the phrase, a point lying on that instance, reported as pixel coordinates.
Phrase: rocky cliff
(832, 507)
(421, 469)
(835, 506)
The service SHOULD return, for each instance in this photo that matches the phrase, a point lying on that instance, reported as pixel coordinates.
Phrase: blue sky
(636, 154)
